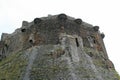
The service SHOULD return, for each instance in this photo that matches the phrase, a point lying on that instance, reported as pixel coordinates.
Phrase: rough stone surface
(55, 48)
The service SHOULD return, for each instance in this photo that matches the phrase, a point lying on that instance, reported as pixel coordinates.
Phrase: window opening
(77, 43)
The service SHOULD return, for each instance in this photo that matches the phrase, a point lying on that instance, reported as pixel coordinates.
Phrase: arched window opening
(23, 30)
(31, 41)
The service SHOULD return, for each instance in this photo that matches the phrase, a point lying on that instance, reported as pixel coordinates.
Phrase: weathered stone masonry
(46, 30)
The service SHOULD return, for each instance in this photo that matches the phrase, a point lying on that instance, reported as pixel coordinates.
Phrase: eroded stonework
(56, 47)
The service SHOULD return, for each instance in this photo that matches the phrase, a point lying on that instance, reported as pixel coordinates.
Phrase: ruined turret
(56, 47)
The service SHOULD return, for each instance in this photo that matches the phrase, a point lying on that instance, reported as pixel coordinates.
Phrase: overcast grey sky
(104, 13)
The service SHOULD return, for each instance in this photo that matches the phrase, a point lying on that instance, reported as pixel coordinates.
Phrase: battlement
(47, 30)
(56, 47)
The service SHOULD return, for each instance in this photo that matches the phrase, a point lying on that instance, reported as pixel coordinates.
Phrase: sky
(104, 13)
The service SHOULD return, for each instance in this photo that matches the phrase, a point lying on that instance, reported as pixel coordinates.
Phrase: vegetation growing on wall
(11, 68)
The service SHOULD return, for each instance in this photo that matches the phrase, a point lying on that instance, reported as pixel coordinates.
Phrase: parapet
(46, 30)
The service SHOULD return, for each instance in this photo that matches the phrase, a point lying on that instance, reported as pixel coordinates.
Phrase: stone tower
(56, 47)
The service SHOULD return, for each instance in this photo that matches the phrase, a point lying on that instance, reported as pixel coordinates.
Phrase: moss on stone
(117, 75)
(85, 73)
(97, 57)
(12, 67)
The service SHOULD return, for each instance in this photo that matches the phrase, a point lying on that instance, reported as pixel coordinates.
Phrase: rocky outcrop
(55, 48)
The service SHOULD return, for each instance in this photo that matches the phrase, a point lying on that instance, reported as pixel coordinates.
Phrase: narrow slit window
(94, 41)
(77, 43)
(6, 46)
